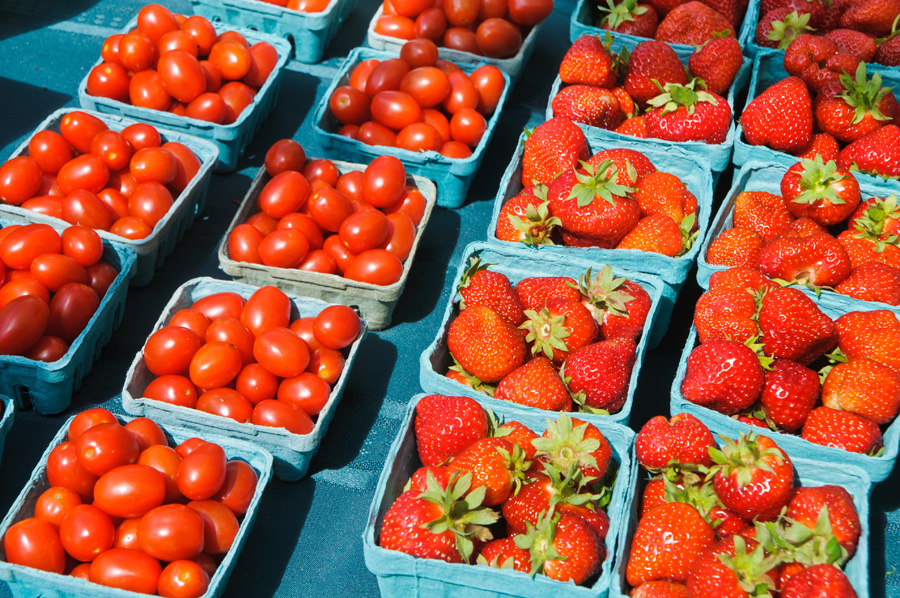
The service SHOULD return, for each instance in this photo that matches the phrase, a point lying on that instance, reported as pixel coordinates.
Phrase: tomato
(327, 364)
(192, 320)
(81, 244)
(287, 192)
(308, 5)
(112, 148)
(461, 13)
(110, 50)
(178, 41)
(419, 137)
(183, 579)
(71, 308)
(396, 26)
(402, 236)
(201, 31)
(49, 206)
(233, 36)
(263, 223)
(461, 39)
(88, 172)
(86, 532)
(146, 432)
(171, 532)
(336, 326)
(87, 419)
(256, 383)
(373, 133)
(283, 248)
(170, 350)
(237, 491)
(340, 254)
(142, 135)
(137, 52)
(349, 105)
(462, 93)
(20, 179)
(220, 305)
(386, 76)
(306, 225)
(438, 122)
(411, 8)
(79, 129)
(303, 327)
(285, 154)
(395, 109)
(468, 126)
(81, 571)
(165, 460)
(115, 202)
(130, 490)
(108, 80)
(350, 184)
(456, 150)
(215, 364)
(126, 534)
(498, 38)
(329, 208)
(48, 349)
(202, 472)
(427, 85)
(364, 230)
(360, 73)
(22, 244)
(53, 504)
(22, 322)
(54, 270)
(153, 164)
(322, 170)
(278, 414)
(320, 261)
(213, 76)
(173, 389)
(384, 181)
(231, 58)
(529, 12)
(22, 286)
(181, 75)
(237, 97)
(154, 21)
(50, 150)
(150, 202)
(375, 266)
(105, 447)
(101, 276)
(220, 524)
(305, 391)
(492, 9)
(281, 352)
(126, 569)
(121, 181)
(268, 307)
(412, 203)
(132, 228)
(488, 81)
(146, 90)
(226, 402)
(64, 469)
(243, 244)
(232, 331)
(263, 59)
(34, 543)
(187, 165)
(431, 24)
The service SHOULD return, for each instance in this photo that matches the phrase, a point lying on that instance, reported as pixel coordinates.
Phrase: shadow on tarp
(885, 501)
(23, 107)
(21, 16)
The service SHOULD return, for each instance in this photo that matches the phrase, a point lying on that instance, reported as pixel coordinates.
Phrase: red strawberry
(779, 27)
(754, 477)
(789, 395)
(717, 63)
(649, 61)
(660, 589)
(535, 291)
(723, 375)
(534, 497)
(764, 213)
(821, 191)
(526, 218)
(518, 433)
(817, 260)
(504, 554)
(730, 567)
(654, 495)
(874, 17)
(560, 327)
(741, 278)
(683, 440)
(563, 547)
(781, 117)
(888, 53)
(872, 282)
(735, 247)
(807, 505)
(831, 17)
(553, 147)
(620, 305)
(854, 42)
(872, 334)
(485, 344)
(626, 102)
(570, 442)
(819, 581)
(843, 430)
(536, 383)
(663, 7)
(600, 373)
(495, 465)
(631, 165)
(588, 105)
(817, 60)
(793, 326)
(662, 193)
(666, 542)
(862, 248)
(823, 145)
(629, 17)
(692, 23)
(419, 479)
(877, 216)
(446, 426)
(723, 314)
(594, 517)
(733, 10)
(815, 8)
(588, 62)
(876, 153)
(862, 108)
(865, 387)
(658, 233)
(635, 126)
(682, 114)
(480, 286)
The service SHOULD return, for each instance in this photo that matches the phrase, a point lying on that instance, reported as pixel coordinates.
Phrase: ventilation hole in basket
(252, 28)
(22, 397)
(293, 43)
(217, 19)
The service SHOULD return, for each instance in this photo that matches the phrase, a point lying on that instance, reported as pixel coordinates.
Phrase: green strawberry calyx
(863, 94)
(874, 217)
(817, 182)
(701, 496)
(674, 96)
(567, 489)
(537, 225)
(598, 182)
(752, 569)
(757, 347)
(603, 290)
(472, 380)
(688, 235)
(538, 540)
(517, 464)
(566, 445)
(622, 12)
(547, 332)
(791, 541)
(787, 30)
(742, 457)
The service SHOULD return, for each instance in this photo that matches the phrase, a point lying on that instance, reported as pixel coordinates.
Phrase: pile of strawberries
(550, 490)
(610, 91)
(548, 341)
(828, 105)
(787, 237)
(613, 199)
(730, 521)
(771, 357)
(673, 21)
(864, 28)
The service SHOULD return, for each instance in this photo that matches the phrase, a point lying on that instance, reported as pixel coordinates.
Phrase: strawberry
(589, 105)
(626, 102)
(552, 147)
(457, 374)
(878, 216)
(874, 17)
(717, 63)
(821, 191)
(535, 497)
(789, 395)
(863, 107)
(438, 524)
(658, 233)
(599, 374)
(536, 383)
(741, 278)
(764, 213)
(654, 494)
(649, 61)
(888, 53)
(662, 193)
(753, 420)
(663, 7)
(629, 17)
(872, 334)
(725, 376)
(560, 327)
(733, 567)
(793, 327)
(446, 426)
(855, 43)
(819, 581)
(823, 145)
(588, 62)
(682, 114)
(660, 589)
(618, 304)
(563, 547)
(631, 165)
(865, 387)
(419, 479)
(816, 260)
(754, 477)
(862, 248)
(480, 286)
(877, 153)
(808, 504)
(570, 442)
(872, 281)
(843, 430)
(485, 345)
(723, 314)
(817, 60)
(683, 440)
(815, 8)
(495, 465)
(781, 117)
(735, 247)
(518, 433)
(504, 554)
(781, 26)
(635, 126)
(666, 542)
(535, 291)
(732, 10)
(596, 518)
(692, 23)
(526, 218)
(831, 16)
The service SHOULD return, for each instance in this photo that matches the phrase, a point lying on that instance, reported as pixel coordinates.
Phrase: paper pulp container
(6, 419)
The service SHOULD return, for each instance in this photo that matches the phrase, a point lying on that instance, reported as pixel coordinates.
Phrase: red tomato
(462, 93)
(431, 25)
(82, 571)
(263, 223)
(172, 389)
(50, 150)
(48, 205)
(360, 73)
(468, 126)
(154, 21)
(146, 432)
(285, 154)
(132, 228)
(350, 184)
(395, 109)
(122, 182)
(306, 391)
(306, 225)
(220, 524)
(456, 150)
(87, 419)
(192, 320)
(277, 414)
(284, 194)
(461, 39)
(386, 76)
(34, 543)
(187, 165)
(130, 490)
(396, 26)
(150, 202)
(20, 179)
(492, 9)
(87, 172)
(419, 53)
(256, 383)
(281, 352)
(243, 244)
(364, 230)
(22, 323)
(215, 364)
(202, 472)
(329, 208)
(327, 364)
(336, 326)
(440, 123)
(283, 248)
(79, 129)
(461, 13)
(384, 181)
(22, 286)
(137, 52)
(349, 105)
(110, 50)
(171, 532)
(402, 236)
(373, 133)
(419, 137)
(201, 31)
(183, 579)
(115, 202)
(263, 59)
(213, 76)
(146, 90)
(529, 12)
(498, 38)
(126, 569)
(341, 255)
(126, 534)
(48, 349)
(108, 80)
(142, 135)
(488, 81)
(233, 36)
(53, 504)
(181, 75)
(165, 460)
(412, 203)
(231, 58)
(220, 305)
(101, 276)
(71, 308)
(237, 491)
(375, 266)
(268, 307)
(153, 164)
(170, 350)
(54, 270)
(304, 328)
(233, 332)
(427, 85)
(111, 147)
(308, 5)
(411, 8)
(319, 261)
(322, 170)
(86, 532)
(105, 447)
(84, 207)
(226, 402)
(177, 41)
(64, 469)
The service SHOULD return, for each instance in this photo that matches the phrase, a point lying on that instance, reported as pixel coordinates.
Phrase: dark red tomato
(183, 579)
(181, 74)
(303, 327)
(364, 230)
(286, 193)
(340, 254)
(153, 164)
(50, 150)
(87, 419)
(131, 227)
(350, 184)
(110, 50)
(101, 276)
(53, 504)
(220, 525)
(126, 569)
(375, 266)
(54, 270)
(329, 208)
(373, 133)
(108, 80)
(322, 170)
(22, 323)
(192, 320)
(220, 305)
(48, 349)
(277, 414)
(327, 364)
(178, 41)
(232, 331)
(165, 460)
(20, 179)
(237, 491)
(71, 308)
(349, 105)
(111, 147)
(146, 90)
(82, 571)
(142, 135)
(171, 532)
(283, 248)
(395, 109)
(231, 58)
(268, 307)
(137, 52)
(187, 165)
(146, 432)
(488, 81)
(431, 25)
(256, 383)
(130, 491)
(384, 181)
(105, 447)
(386, 76)
(172, 389)
(201, 31)
(498, 38)
(263, 59)
(88, 172)
(79, 129)
(412, 203)
(243, 244)
(427, 85)
(170, 350)
(126, 534)
(447, 67)
(396, 26)
(237, 97)
(411, 8)
(461, 39)
(215, 365)
(306, 225)
(468, 126)
(122, 182)
(202, 472)
(22, 244)
(150, 202)
(34, 543)
(285, 154)
(306, 391)
(402, 235)
(86, 532)
(226, 402)
(461, 13)
(456, 150)
(419, 137)
(49, 187)
(360, 73)
(336, 326)
(281, 352)
(492, 9)
(154, 21)
(207, 106)
(529, 12)
(419, 53)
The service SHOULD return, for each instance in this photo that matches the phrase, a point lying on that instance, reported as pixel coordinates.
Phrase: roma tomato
(384, 181)
(71, 308)
(183, 579)
(396, 26)
(233, 36)
(411, 8)
(86, 532)
(130, 490)
(419, 137)
(277, 414)
(101, 276)
(215, 364)
(226, 402)
(461, 13)
(329, 208)
(419, 52)
(220, 305)
(64, 469)
(412, 203)
(53, 270)
(146, 432)
(285, 154)
(188, 165)
(431, 24)
(306, 225)
(110, 50)
(48, 349)
(172, 389)
(181, 75)
(20, 179)
(126, 534)
(87, 419)
(268, 307)
(360, 73)
(349, 105)
(263, 59)
(88, 172)
(53, 504)
(498, 38)
(322, 170)
(131, 227)
(126, 569)
(286, 193)
(243, 244)
(108, 80)
(141, 136)
(283, 248)
(84, 207)
(468, 126)
(153, 164)
(462, 39)
(48, 205)
(22, 322)
(304, 328)
(456, 150)
(105, 447)
(154, 21)
(207, 106)
(170, 350)
(395, 109)
(146, 90)
(171, 532)
(489, 82)
(375, 266)
(306, 391)
(462, 93)
(150, 203)
(363, 230)
(50, 150)
(202, 32)
(165, 460)
(202, 472)
(115, 202)
(256, 383)
(232, 332)
(34, 543)
(402, 236)
(177, 41)
(192, 320)
(338, 252)
(320, 261)
(350, 184)
(111, 147)
(427, 85)
(231, 58)
(237, 491)
(386, 76)
(79, 129)
(373, 133)
(529, 12)
(220, 525)
(281, 352)
(327, 364)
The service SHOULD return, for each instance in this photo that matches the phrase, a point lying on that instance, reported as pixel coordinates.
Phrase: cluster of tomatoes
(50, 287)
(123, 182)
(360, 224)
(301, 5)
(417, 102)
(122, 503)
(246, 360)
(181, 65)
(492, 28)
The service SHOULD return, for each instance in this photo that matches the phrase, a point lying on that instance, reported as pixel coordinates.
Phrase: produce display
(182, 65)
(691, 23)
(128, 510)
(311, 6)
(247, 361)
(123, 182)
